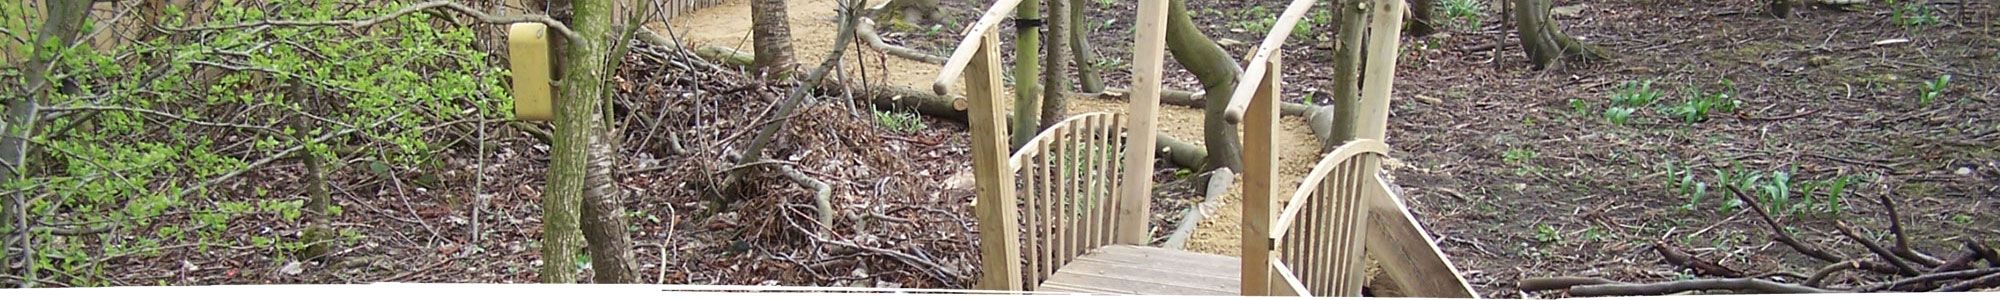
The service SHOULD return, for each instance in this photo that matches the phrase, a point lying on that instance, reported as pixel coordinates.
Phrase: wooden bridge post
(999, 236)
(1260, 194)
(1135, 199)
(1408, 256)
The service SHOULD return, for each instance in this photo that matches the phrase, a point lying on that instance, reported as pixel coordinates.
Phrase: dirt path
(813, 29)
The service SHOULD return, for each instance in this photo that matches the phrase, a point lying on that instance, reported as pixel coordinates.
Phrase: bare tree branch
(1592, 287)
(1929, 278)
(1901, 266)
(572, 36)
(1902, 242)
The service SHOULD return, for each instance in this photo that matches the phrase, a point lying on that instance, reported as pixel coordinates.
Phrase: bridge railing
(1316, 245)
(1067, 185)
(977, 62)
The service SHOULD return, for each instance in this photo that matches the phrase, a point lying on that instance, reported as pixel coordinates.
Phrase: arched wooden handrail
(1067, 178)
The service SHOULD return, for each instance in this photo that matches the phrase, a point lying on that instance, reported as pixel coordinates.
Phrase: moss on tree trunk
(1027, 91)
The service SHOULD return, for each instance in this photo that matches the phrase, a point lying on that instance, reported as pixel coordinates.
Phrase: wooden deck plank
(1135, 270)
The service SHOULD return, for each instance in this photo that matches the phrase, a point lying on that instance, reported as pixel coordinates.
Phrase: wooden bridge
(1068, 212)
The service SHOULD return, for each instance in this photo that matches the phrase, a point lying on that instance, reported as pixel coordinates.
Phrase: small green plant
(1962, 219)
(1934, 88)
(1628, 98)
(1683, 182)
(1106, 3)
(1619, 115)
(1518, 156)
(1699, 104)
(1547, 234)
(1522, 159)
(1579, 106)
(1463, 14)
(1594, 234)
(899, 121)
(1261, 19)
(1912, 14)
(1635, 94)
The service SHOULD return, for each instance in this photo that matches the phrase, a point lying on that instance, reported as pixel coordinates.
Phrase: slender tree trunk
(603, 218)
(771, 36)
(1217, 73)
(1055, 77)
(1338, 127)
(1544, 42)
(584, 74)
(1421, 22)
(61, 23)
(1079, 46)
(1027, 91)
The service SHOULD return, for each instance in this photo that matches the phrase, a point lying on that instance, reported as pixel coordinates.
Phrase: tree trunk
(603, 217)
(1544, 42)
(1339, 125)
(1780, 8)
(61, 23)
(1079, 46)
(1055, 77)
(771, 36)
(1421, 21)
(1027, 92)
(1217, 73)
(584, 74)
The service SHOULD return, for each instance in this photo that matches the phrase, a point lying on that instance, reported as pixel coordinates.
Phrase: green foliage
(1522, 159)
(1782, 192)
(899, 121)
(1547, 234)
(1932, 89)
(1699, 104)
(1628, 98)
(1463, 14)
(136, 148)
(1912, 14)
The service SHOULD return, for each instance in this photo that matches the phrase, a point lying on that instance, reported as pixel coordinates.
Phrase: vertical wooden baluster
(1087, 145)
(1059, 183)
(1322, 256)
(1049, 211)
(1070, 187)
(1351, 267)
(1031, 213)
(1115, 137)
(1100, 175)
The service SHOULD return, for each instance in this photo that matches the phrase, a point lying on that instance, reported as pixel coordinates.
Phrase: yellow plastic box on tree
(528, 55)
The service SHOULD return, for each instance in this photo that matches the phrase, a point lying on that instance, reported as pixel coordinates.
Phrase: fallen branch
(1778, 232)
(1594, 287)
(1988, 281)
(822, 194)
(1884, 253)
(1929, 278)
(1683, 259)
(1218, 185)
(867, 33)
(1902, 242)
(1819, 277)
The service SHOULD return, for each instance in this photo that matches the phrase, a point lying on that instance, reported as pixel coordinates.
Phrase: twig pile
(1909, 270)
